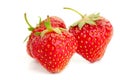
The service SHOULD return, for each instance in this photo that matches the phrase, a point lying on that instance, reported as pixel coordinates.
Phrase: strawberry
(54, 47)
(93, 33)
(55, 22)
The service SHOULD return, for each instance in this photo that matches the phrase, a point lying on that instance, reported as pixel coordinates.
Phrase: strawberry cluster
(51, 44)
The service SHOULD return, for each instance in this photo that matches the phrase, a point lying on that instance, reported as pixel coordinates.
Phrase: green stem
(74, 11)
(40, 19)
(30, 26)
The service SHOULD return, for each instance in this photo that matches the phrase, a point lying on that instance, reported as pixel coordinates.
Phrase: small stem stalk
(74, 11)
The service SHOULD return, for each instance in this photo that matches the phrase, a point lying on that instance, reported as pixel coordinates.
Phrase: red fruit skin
(93, 39)
(31, 37)
(55, 22)
(54, 51)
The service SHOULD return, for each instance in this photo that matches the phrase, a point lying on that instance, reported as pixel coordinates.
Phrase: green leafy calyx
(86, 19)
(49, 28)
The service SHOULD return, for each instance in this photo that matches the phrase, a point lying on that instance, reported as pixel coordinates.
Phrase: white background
(15, 64)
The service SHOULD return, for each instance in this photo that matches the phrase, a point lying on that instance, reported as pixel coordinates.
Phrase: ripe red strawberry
(55, 22)
(93, 34)
(54, 47)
